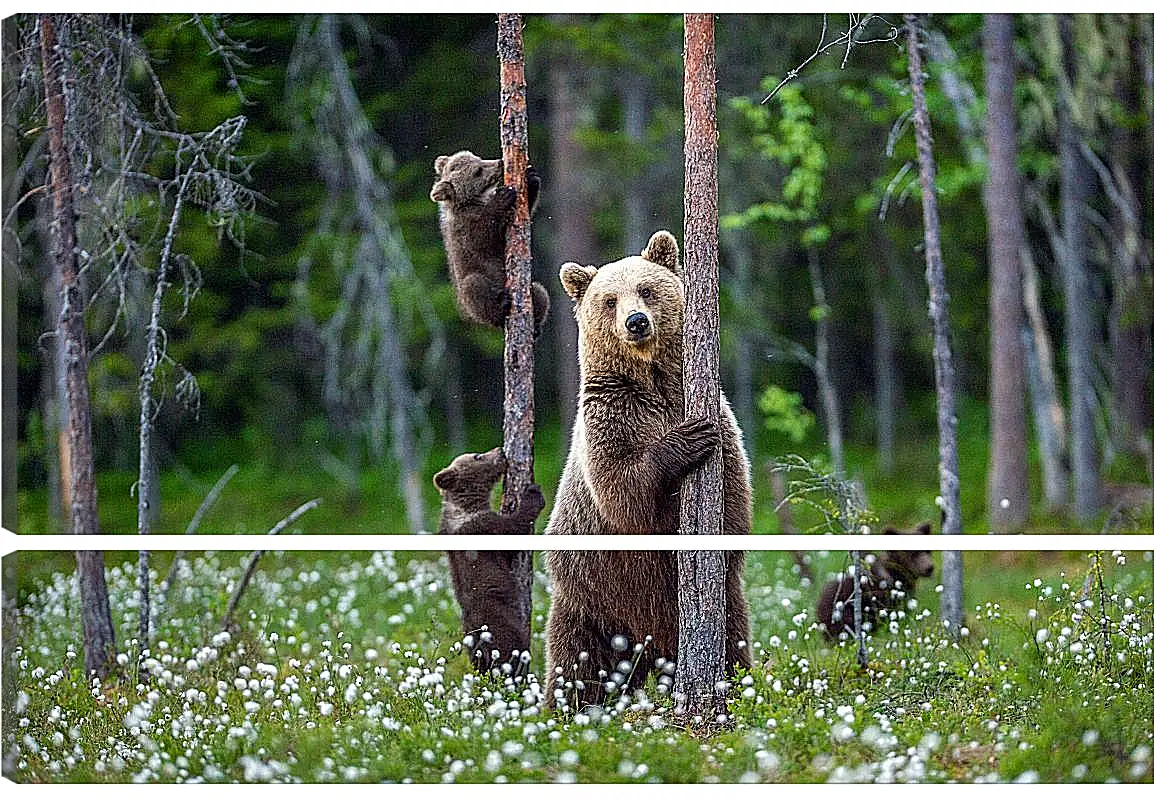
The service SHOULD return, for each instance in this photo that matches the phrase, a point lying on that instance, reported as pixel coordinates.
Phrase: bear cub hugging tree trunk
(614, 615)
(475, 211)
(889, 581)
(495, 626)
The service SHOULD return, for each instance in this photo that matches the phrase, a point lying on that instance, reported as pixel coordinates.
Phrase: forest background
(311, 335)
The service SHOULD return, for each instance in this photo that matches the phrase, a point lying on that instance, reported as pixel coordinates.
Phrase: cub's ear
(925, 529)
(439, 164)
(442, 191)
(445, 480)
(889, 530)
(662, 249)
(576, 279)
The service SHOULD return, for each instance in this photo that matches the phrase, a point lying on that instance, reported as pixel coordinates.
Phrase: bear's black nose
(637, 323)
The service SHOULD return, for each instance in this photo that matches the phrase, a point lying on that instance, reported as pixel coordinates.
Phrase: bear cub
(614, 614)
(495, 626)
(889, 581)
(476, 208)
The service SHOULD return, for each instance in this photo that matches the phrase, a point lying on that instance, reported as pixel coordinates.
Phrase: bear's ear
(662, 249)
(925, 529)
(445, 480)
(576, 279)
(889, 530)
(442, 191)
(439, 164)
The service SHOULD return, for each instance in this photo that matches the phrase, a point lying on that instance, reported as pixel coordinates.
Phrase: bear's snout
(638, 325)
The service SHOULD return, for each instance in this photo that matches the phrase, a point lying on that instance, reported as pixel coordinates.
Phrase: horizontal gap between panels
(334, 542)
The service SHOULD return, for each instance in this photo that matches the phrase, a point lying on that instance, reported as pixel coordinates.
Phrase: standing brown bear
(495, 623)
(614, 614)
(476, 208)
(890, 580)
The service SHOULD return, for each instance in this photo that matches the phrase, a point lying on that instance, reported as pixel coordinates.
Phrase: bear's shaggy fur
(614, 615)
(494, 622)
(889, 581)
(475, 212)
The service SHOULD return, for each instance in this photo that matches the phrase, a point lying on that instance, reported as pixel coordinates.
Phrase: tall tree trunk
(885, 374)
(1049, 415)
(519, 408)
(1008, 497)
(1130, 317)
(573, 223)
(96, 616)
(951, 606)
(701, 574)
(635, 103)
(831, 409)
(1076, 189)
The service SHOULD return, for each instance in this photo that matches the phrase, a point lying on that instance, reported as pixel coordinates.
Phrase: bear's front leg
(685, 448)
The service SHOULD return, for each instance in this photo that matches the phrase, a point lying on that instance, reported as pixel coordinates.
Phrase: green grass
(269, 486)
(346, 667)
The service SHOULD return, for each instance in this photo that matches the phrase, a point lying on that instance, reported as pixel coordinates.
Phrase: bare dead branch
(250, 568)
(849, 37)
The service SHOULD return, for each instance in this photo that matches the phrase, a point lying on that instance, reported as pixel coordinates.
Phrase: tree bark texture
(701, 574)
(1081, 335)
(573, 238)
(70, 324)
(519, 410)
(1008, 498)
(96, 615)
(951, 605)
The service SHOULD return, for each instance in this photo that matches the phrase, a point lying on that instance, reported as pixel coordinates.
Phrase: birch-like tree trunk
(519, 405)
(830, 407)
(951, 605)
(699, 687)
(1007, 496)
(1081, 336)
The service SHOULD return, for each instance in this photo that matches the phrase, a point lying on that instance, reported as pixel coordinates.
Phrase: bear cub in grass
(613, 618)
(491, 616)
(890, 580)
(476, 208)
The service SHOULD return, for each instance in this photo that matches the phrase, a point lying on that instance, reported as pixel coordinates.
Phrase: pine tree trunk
(701, 574)
(1008, 498)
(96, 616)
(1076, 189)
(951, 606)
(519, 409)
(573, 221)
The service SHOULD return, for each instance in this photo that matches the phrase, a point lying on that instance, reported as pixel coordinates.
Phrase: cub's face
(916, 562)
(471, 472)
(464, 177)
(628, 305)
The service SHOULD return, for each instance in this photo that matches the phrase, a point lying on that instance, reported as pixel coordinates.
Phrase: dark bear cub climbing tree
(518, 424)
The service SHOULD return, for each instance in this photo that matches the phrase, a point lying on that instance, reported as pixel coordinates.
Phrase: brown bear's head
(471, 474)
(627, 308)
(464, 177)
(916, 563)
